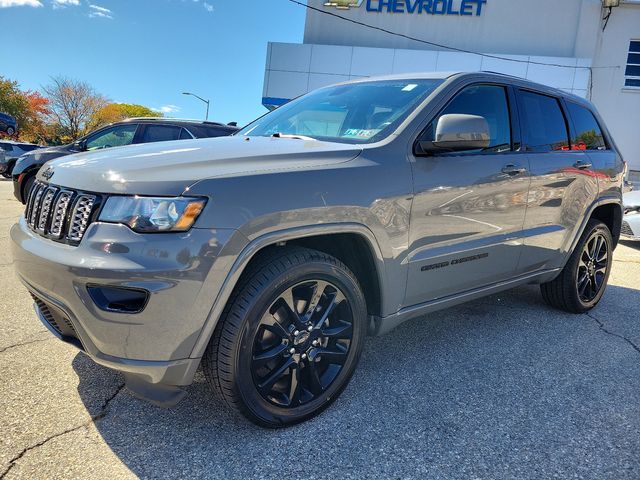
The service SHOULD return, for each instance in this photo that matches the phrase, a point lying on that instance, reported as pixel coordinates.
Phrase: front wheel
(290, 338)
(582, 282)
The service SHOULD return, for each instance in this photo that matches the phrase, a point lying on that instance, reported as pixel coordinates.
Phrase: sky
(150, 51)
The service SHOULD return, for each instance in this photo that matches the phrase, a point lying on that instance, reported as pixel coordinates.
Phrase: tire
(27, 187)
(10, 131)
(268, 328)
(574, 292)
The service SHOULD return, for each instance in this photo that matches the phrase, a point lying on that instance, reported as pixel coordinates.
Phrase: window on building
(545, 128)
(632, 73)
(588, 132)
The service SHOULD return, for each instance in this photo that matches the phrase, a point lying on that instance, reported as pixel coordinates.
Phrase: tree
(116, 112)
(72, 104)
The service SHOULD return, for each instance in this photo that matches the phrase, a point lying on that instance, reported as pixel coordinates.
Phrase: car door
(468, 207)
(563, 182)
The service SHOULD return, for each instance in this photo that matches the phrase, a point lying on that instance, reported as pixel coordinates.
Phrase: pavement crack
(10, 347)
(613, 334)
(104, 411)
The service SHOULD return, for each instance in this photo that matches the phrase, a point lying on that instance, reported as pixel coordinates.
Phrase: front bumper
(150, 347)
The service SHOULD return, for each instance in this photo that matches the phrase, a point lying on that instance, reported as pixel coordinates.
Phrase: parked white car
(631, 221)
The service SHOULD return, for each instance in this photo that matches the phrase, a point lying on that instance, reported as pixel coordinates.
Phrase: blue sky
(149, 51)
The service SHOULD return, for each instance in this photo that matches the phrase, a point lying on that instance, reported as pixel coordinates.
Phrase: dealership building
(590, 48)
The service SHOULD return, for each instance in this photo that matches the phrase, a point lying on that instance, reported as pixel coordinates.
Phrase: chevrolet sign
(431, 7)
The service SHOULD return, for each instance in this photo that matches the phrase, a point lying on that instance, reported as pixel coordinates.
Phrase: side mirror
(457, 133)
(80, 145)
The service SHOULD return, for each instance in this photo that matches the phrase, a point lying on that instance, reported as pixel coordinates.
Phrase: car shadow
(496, 388)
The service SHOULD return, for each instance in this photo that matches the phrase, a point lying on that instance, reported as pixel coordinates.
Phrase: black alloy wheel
(592, 267)
(290, 337)
(583, 280)
(302, 343)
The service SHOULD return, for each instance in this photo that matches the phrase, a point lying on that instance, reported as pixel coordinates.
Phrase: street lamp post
(199, 98)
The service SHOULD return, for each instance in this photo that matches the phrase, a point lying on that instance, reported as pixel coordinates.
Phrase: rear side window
(28, 148)
(588, 133)
(185, 135)
(200, 131)
(545, 128)
(160, 133)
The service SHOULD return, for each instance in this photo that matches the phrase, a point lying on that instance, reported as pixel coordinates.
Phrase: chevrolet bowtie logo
(344, 4)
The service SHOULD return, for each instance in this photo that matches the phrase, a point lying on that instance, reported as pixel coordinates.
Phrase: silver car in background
(631, 221)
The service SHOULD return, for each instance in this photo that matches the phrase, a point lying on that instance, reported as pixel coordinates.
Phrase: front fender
(249, 251)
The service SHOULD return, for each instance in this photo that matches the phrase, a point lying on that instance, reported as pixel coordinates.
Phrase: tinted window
(112, 137)
(185, 135)
(200, 131)
(160, 133)
(488, 101)
(588, 133)
(28, 148)
(545, 128)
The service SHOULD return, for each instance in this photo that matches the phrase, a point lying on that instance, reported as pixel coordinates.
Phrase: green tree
(116, 112)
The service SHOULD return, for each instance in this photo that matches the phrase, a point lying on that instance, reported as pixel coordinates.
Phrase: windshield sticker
(359, 133)
(409, 87)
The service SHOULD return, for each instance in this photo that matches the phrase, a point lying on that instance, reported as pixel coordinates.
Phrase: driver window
(113, 137)
(488, 101)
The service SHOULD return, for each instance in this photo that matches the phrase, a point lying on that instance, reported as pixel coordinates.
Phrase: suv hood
(169, 168)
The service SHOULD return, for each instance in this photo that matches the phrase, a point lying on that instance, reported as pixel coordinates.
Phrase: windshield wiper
(298, 137)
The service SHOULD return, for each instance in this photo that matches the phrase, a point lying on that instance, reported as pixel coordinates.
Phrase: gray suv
(266, 257)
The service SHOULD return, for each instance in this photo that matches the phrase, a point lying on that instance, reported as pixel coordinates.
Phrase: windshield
(354, 113)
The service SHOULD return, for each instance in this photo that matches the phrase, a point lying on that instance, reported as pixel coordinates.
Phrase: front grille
(626, 230)
(60, 214)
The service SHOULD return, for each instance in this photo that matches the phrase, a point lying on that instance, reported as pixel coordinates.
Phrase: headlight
(153, 214)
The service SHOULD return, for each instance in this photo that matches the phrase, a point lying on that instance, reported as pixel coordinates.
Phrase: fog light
(117, 299)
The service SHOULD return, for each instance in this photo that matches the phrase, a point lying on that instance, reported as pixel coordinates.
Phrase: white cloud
(65, 3)
(208, 7)
(20, 3)
(100, 12)
(167, 109)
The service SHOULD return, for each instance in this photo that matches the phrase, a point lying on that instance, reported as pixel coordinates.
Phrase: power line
(434, 44)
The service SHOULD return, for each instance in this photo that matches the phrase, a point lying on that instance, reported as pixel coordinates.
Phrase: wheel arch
(609, 211)
(339, 240)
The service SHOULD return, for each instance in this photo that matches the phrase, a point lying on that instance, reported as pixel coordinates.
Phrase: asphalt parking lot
(503, 387)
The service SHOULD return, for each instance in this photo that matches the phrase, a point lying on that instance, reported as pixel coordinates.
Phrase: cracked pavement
(503, 387)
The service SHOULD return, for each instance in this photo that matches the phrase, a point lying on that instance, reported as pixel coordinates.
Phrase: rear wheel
(582, 282)
(290, 338)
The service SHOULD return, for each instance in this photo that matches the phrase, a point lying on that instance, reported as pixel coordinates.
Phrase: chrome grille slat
(47, 212)
(60, 213)
(80, 217)
(35, 207)
(45, 208)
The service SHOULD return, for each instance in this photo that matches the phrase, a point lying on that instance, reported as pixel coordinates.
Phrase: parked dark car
(12, 151)
(127, 132)
(8, 124)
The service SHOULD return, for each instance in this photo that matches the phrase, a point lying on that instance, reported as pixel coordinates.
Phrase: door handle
(514, 170)
(582, 165)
